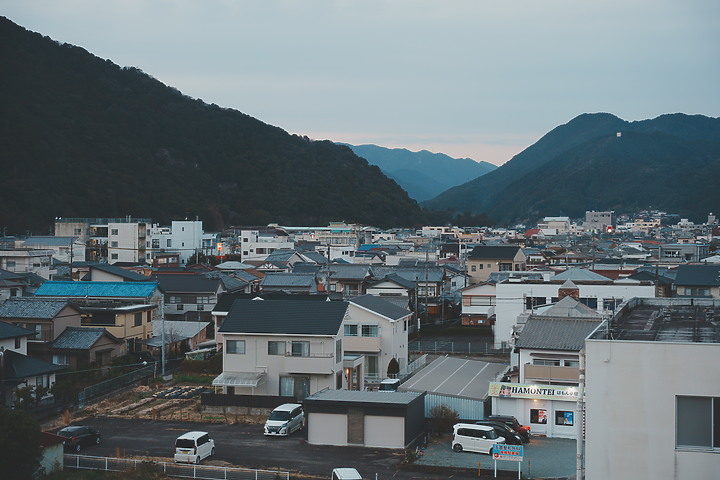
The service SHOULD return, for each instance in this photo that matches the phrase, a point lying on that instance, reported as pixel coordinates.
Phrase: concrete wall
(631, 399)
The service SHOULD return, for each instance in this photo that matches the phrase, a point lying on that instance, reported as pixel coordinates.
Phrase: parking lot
(244, 445)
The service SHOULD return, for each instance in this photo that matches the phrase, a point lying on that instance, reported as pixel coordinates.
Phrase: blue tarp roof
(96, 289)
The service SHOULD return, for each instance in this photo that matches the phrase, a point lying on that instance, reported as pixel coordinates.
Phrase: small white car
(192, 447)
(346, 474)
(285, 419)
(469, 437)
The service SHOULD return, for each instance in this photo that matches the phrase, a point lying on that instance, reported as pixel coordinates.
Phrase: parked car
(345, 474)
(79, 436)
(285, 419)
(192, 447)
(512, 436)
(468, 437)
(511, 421)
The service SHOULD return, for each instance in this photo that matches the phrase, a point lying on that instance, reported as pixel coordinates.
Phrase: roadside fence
(452, 347)
(203, 472)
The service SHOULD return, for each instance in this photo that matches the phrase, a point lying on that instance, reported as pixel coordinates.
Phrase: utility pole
(580, 421)
(162, 334)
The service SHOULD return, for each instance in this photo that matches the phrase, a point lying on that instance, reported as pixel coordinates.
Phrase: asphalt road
(244, 445)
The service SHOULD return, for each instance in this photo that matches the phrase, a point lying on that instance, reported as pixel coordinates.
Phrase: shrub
(443, 418)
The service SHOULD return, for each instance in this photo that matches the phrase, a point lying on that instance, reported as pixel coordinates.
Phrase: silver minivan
(191, 447)
(285, 419)
(468, 437)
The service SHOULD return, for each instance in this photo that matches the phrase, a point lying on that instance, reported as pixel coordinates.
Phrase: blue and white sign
(507, 452)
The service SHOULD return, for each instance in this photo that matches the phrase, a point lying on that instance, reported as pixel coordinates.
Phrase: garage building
(365, 418)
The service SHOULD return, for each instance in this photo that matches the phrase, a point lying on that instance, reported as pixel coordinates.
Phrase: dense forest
(83, 137)
(600, 162)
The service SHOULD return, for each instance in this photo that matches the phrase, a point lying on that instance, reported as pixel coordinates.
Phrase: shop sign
(507, 452)
(539, 392)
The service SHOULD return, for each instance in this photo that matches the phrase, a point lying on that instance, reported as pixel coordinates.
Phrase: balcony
(547, 373)
(315, 364)
(361, 344)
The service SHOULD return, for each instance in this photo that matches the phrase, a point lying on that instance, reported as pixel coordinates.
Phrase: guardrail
(181, 470)
(432, 346)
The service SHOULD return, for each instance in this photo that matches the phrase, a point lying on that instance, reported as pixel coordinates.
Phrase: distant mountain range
(422, 174)
(83, 137)
(601, 162)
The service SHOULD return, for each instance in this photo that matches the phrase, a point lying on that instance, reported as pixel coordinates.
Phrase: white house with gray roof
(377, 330)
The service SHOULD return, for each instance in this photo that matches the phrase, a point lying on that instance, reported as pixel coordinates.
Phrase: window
(138, 319)
(113, 231)
(369, 330)
(300, 349)
(276, 348)
(532, 302)
(148, 318)
(696, 422)
(351, 330)
(78, 231)
(298, 387)
(589, 302)
(474, 268)
(155, 243)
(338, 350)
(372, 367)
(538, 415)
(114, 256)
(114, 244)
(203, 300)
(235, 346)
(572, 363)
(168, 243)
(546, 362)
(18, 343)
(478, 301)
(60, 359)
(611, 303)
(563, 417)
(10, 264)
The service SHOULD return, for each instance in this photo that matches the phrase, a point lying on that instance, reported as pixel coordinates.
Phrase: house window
(114, 244)
(276, 348)
(532, 302)
(78, 231)
(155, 243)
(203, 300)
(372, 365)
(351, 330)
(235, 346)
(338, 350)
(298, 387)
(10, 264)
(300, 349)
(696, 422)
(546, 362)
(18, 343)
(114, 256)
(168, 243)
(148, 318)
(572, 363)
(42, 381)
(138, 319)
(589, 302)
(474, 268)
(538, 415)
(113, 231)
(563, 417)
(477, 301)
(369, 330)
(60, 359)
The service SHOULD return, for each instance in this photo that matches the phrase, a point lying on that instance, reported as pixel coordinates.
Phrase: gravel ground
(542, 458)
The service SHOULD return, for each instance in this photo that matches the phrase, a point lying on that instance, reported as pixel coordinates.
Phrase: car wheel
(77, 448)
(197, 460)
(457, 447)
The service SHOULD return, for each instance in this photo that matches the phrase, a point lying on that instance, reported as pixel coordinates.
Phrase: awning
(239, 379)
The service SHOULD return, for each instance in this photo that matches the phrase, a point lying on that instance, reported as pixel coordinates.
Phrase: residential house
(346, 280)
(478, 304)
(17, 368)
(28, 260)
(653, 391)
(11, 285)
(392, 285)
(701, 280)
(284, 347)
(259, 243)
(82, 347)
(189, 296)
(104, 272)
(548, 357)
(65, 249)
(179, 336)
(377, 330)
(486, 259)
(132, 323)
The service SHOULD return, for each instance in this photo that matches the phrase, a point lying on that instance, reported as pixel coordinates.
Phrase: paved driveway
(542, 458)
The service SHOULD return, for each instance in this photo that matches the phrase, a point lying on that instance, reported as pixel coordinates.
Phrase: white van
(191, 447)
(469, 437)
(285, 419)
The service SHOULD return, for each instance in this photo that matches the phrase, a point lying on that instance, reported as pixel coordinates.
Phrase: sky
(468, 78)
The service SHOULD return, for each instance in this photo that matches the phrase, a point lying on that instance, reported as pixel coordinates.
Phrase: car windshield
(492, 434)
(66, 433)
(185, 443)
(279, 415)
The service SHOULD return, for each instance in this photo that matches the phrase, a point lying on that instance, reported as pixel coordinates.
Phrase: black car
(79, 436)
(511, 436)
(512, 422)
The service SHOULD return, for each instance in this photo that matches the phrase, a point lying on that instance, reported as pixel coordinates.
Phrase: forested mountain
(83, 137)
(423, 174)
(671, 162)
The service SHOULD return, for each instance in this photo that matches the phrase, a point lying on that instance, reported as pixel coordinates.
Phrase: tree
(443, 418)
(19, 444)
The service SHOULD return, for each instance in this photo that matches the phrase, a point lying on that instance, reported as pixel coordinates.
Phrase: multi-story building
(28, 260)
(599, 222)
(185, 238)
(486, 259)
(653, 391)
(258, 244)
(108, 239)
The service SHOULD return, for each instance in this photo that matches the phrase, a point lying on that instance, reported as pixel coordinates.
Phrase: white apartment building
(28, 260)
(257, 245)
(127, 241)
(652, 396)
(184, 237)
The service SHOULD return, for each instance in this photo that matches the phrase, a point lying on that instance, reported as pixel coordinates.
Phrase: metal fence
(205, 472)
(114, 384)
(470, 348)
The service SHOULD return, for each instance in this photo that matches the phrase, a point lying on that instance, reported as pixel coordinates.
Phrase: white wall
(510, 299)
(630, 404)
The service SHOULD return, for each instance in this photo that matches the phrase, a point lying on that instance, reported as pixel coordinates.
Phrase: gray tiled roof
(80, 338)
(555, 333)
(349, 271)
(381, 306)
(433, 273)
(699, 275)
(17, 366)
(8, 330)
(278, 279)
(568, 307)
(189, 283)
(120, 272)
(290, 317)
(403, 282)
(579, 275)
(31, 307)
